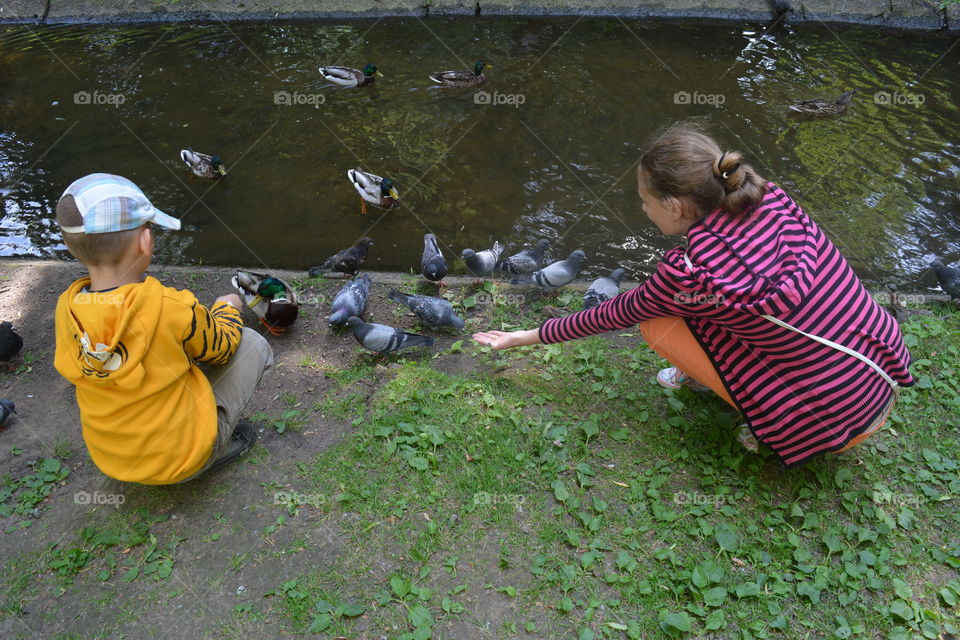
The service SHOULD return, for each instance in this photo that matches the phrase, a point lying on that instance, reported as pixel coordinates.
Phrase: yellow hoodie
(147, 411)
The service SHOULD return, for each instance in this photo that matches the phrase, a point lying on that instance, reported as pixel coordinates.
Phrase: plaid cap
(109, 203)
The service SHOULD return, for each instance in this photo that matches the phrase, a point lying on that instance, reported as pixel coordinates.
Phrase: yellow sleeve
(214, 334)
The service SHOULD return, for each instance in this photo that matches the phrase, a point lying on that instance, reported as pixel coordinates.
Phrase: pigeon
(347, 261)
(383, 339)
(525, 262)
(6, 408)
(10, 342)
(482, 264)
(948, 277)
(434, 312)
(556, 275)
(780, 7)
(351, 300)
(603, 289)
(432, 264)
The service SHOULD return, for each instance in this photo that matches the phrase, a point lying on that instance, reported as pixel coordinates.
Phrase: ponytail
(686, 162)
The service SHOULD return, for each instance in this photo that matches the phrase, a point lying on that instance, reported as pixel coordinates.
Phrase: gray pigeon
(6, 408)
(347, 261)
(434, 312)
(351, 300)
(384, 339)
(556, 275)
(432, 264)
(948, 278)
(482, 264)
(525, 262)
(603, 289)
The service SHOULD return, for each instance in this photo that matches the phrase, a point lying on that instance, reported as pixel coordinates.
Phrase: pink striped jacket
(800, 398)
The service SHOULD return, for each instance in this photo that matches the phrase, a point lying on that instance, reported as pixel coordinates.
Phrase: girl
(760, 307)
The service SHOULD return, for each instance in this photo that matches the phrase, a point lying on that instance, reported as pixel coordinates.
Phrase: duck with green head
(203, 165)
(463, 78)
(272, 299)
(347, 77)
(372, 188)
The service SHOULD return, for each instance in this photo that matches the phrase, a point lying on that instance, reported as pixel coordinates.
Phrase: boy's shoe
(243, 438)
(747, 439)
(673, 378)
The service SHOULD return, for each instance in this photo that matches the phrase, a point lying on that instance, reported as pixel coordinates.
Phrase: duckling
(281, 308)
(202, 165)
(823, 108)
(463, 78)
(347, 77)
(373, 189)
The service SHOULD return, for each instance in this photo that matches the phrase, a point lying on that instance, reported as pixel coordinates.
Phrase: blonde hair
(684, 161)
(94, 249)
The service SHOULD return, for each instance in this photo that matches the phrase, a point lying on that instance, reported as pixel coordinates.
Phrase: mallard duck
(462, 78)
(373, 189)
(281, 308)
(202, 165)
(347, 77)
(822, 108)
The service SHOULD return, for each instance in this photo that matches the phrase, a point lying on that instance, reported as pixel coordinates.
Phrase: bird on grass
(347, 77)
(433, 266)
(556, 275)
(525, 262)
(347, 261)
(383, 339)
(482, 263)
(377, 191)
(6, 409)
(270, 298)
(203, 165)
(10, 342)
(603, 289)
(351, 300)
(948, 277)
(433, 312)
(823, 108)
(464, 78)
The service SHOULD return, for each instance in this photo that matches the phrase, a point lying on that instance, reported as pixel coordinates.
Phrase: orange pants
(671, 339)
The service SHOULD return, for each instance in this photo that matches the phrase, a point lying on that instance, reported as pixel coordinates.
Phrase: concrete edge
(934, 19)
(392, 278)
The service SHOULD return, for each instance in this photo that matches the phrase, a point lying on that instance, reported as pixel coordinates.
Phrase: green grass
(607, 507)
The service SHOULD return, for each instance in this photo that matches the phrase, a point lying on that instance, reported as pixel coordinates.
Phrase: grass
(592, 504)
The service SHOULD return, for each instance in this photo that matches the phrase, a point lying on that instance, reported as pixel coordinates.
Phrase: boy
(130, 345)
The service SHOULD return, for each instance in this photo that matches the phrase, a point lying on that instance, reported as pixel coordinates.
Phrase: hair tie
(726, 174)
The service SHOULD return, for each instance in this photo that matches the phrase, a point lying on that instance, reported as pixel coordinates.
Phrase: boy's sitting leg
(233, 384)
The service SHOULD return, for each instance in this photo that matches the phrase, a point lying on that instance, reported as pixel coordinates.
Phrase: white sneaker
(747, 440)
(673, 378)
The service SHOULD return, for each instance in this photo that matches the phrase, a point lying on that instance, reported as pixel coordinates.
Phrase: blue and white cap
(111, 203)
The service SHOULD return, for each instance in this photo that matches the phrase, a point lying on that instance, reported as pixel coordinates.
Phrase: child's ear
(146, 240)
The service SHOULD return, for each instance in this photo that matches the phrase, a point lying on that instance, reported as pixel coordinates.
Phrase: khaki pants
(233, 384)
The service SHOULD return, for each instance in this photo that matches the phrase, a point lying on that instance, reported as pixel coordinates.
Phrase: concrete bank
(900, 14)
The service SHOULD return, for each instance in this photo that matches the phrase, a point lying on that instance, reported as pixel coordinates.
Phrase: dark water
(881, 179)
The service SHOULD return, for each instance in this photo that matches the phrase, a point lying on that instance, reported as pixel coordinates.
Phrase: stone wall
(908, 14)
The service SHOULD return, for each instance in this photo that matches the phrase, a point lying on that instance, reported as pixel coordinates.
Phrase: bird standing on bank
(603, 289)
(383, 339)
(347, 261)
(433, 265)
(433, 312)
(351, 300)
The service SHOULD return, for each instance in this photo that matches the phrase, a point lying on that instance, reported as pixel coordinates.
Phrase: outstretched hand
(498, 340)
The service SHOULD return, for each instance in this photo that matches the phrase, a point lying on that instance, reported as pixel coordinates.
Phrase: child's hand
(232, 298)
(498, 340)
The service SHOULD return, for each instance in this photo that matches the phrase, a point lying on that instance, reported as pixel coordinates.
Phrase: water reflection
(882, 179)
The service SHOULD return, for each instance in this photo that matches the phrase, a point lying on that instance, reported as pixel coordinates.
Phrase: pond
(548, 150)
